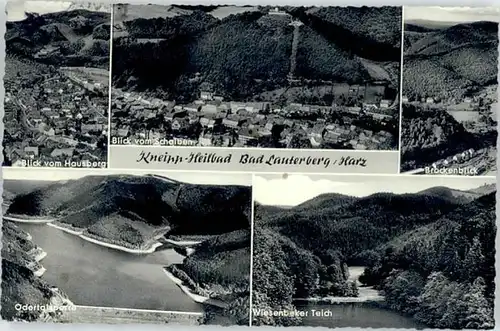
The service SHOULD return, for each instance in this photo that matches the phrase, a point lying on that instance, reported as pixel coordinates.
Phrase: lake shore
(79, 233)
(28, 219)
(195, 297)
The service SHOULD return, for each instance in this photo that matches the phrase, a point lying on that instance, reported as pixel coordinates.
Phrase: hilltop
(71, 38)
(449, 62)
(131, 210)
(305, 251)
(191, 46)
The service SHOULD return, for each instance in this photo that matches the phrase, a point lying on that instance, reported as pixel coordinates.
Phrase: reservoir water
(94, 275)
(355, 314)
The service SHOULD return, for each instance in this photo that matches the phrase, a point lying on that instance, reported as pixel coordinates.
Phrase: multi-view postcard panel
(450, 98)
(126, 247)
(181, 113)
(374, 252)
(56, 84)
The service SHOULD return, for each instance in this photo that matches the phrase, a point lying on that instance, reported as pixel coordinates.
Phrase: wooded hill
(449, 62)
(248, 53)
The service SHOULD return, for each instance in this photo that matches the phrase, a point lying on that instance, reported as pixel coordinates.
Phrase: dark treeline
(443, 274)
(240, 56)
(352, 41)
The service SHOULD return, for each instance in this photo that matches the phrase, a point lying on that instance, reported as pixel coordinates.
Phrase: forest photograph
(374, 251)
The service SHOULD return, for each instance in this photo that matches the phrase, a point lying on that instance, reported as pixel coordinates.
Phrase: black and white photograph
(102, 246)
(450, 100)
(256, 76)
(396, 251)
(56, 84)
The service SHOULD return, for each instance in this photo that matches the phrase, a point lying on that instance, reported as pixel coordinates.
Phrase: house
(385, 103)
(247, 135)
(205, 140)
(429, 100)
(168, 116)
(207, 122)
(62, 152)
(86, 128)
(209, 109)
(468, 100)
(31, 151)
(317, 132)
(404, 98)
(331, 136)
(207, 96)
(50, 132)
(122, 132)
(230, 123)
(235, 106)
(176, 125)
(369, 106)
(191, 109)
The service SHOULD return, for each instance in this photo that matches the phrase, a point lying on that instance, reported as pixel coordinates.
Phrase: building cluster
(211, 121)
(60, 119)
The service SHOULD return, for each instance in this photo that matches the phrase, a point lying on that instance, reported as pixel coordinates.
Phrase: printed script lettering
(271, 160)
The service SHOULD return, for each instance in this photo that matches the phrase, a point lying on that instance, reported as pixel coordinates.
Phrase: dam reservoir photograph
(127, 247)
(374, 251)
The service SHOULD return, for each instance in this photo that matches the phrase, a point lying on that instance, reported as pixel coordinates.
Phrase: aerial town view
(449, 118)
(256, 76)
(56, 85)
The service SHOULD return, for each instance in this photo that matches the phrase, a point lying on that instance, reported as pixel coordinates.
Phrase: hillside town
(59, 121)
(478, 116)
(213, 121)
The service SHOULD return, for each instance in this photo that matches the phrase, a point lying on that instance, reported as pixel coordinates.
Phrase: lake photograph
(144, 247)
(374, 251)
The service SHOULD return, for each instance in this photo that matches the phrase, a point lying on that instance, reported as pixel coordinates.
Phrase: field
(464, 116)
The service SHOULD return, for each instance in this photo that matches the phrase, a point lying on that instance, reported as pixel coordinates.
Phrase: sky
(16, 9)
(453, 14)
(51, 174)
(300, 188)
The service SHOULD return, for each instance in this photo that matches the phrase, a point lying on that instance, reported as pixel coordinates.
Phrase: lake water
(355, 315)
(93, 275)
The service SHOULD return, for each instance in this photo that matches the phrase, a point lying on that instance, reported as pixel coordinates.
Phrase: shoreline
(185, 243)
(28, 220)
(195, 297)
(80, 234)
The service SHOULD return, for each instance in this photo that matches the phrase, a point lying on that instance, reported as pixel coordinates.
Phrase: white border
(110, 83)
(401, 68)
